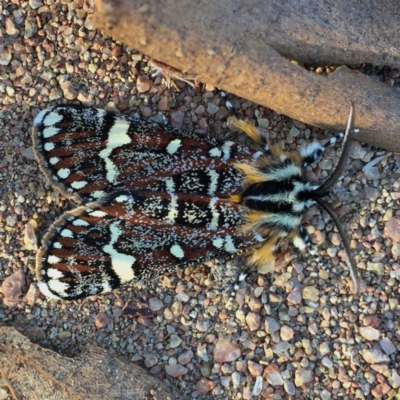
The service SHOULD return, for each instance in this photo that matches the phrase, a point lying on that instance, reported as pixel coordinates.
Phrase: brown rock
(30, 240)
(12, 287)
(225, 351)
(255, 368)
(32, 294)
(143, 84)
(392, 229)
(34, 372)
(253, 321)
(380, 390)
(205, 386)
(303, 376)
(101, 320)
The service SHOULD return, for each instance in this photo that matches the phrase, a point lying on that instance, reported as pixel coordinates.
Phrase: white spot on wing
(57, 245)
(46, 291)
(97, 194)
(49, 146)
(67, 233)
(54, 160)
(121, 263)
(50, 131)
(215, 152)
(57, 286)
(52, 118)
(54, 273)
(218, 243)
(229, 246)
(173, 209)
(122, 198)
(170, 185)
(80, 222)
(173, 146)
(177, 251)
(117, 137)
(53, 259)
(215, 214)
(226, 148)
(213, 175)
(64, 173)
(98, 213)
(78, 184)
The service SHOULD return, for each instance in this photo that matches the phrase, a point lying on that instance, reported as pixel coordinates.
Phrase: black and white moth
(155, 198)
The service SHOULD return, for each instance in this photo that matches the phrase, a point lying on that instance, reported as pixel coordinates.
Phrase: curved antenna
(333, 178)
(351, 264)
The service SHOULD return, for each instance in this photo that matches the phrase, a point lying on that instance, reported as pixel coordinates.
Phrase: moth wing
(88, 152)
(130, 236)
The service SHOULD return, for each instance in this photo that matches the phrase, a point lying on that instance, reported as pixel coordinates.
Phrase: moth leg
(242, 276)
(303, 241)
(312, 152)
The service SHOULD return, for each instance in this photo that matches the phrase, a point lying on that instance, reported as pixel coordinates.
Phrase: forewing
(130, 236)
(89, 152)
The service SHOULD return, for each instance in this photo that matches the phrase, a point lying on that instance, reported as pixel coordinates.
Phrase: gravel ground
(295, 332)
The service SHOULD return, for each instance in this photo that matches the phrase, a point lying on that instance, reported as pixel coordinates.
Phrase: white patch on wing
(98, 213)
(172, 209)
(53, 118)
(97, 194)
(177, 251)
(49, 146)
(226, 148)
(54, 273)
(57, 286)
(67, 233)
(50, 131)
(117, 137)
(122, 198)
(215, 152)
(64, 173)
(53, 259)
(215, 214)
(78, 184)
(57, 245)
(80, 222)
(122, 264)
(170, 185)
(54, 160)
(229, 245)
(218, 242)
(43, 287)
(173, 146)
(213, 175)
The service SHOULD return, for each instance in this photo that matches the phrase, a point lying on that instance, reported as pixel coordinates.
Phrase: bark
(245, 48)
(33, 372)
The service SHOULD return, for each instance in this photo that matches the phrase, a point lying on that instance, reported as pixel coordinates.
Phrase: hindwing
(129, 236)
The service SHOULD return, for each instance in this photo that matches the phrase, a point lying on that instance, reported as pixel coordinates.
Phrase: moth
(152, 198)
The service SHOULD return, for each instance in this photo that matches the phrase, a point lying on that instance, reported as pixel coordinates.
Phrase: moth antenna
(346, 243)
(333, 178)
